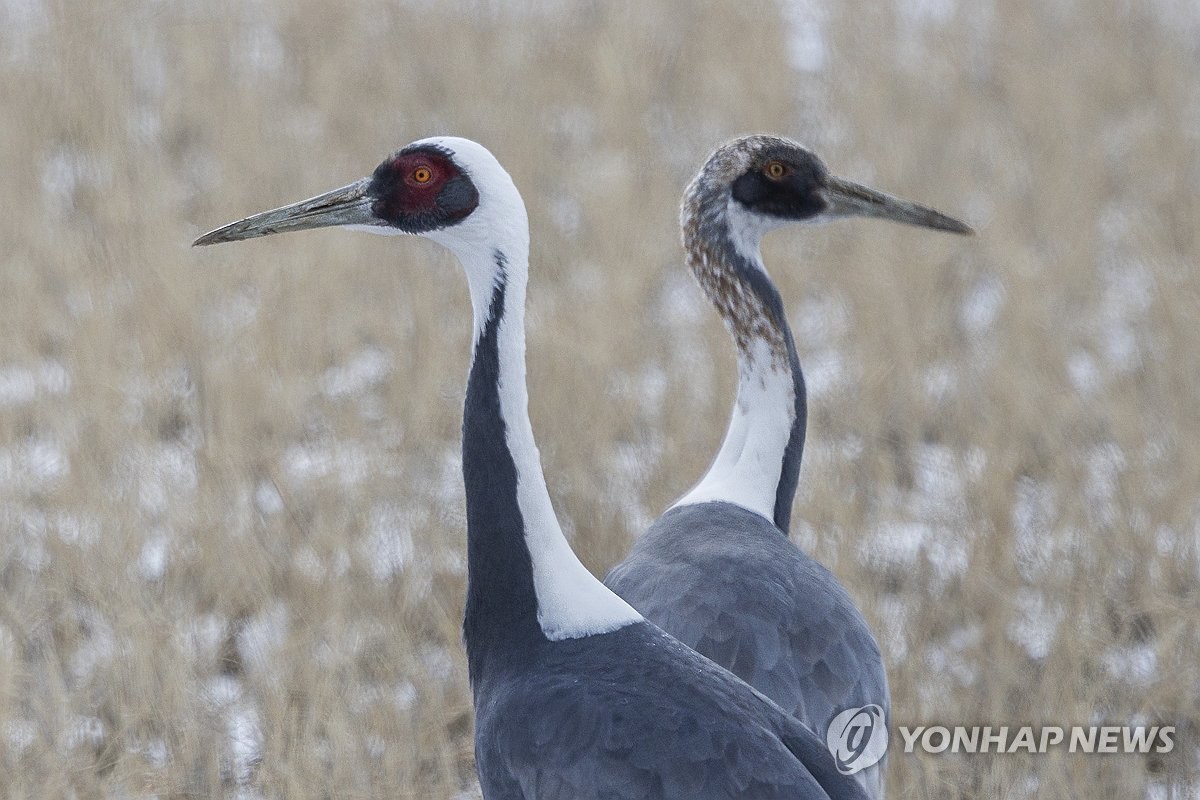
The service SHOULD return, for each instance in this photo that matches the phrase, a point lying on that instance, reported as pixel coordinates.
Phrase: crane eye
(775, 170)
(422, 174)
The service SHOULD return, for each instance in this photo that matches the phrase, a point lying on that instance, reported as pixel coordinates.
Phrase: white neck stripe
(571, 601)
(749, 465)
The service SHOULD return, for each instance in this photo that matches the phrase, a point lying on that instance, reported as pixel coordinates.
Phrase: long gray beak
(349, 205)
(850, 199)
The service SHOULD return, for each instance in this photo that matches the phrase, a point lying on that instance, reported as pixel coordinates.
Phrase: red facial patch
(423, 175)
(422, 189)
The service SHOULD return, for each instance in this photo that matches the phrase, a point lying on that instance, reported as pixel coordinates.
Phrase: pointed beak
(849, 199)
(349, 205)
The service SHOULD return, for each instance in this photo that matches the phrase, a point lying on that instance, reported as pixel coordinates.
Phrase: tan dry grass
(190, 519)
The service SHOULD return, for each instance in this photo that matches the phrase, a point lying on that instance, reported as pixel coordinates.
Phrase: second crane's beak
(849, 199)
(349, 205)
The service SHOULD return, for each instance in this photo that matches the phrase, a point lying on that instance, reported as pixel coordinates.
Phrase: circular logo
(857, 738)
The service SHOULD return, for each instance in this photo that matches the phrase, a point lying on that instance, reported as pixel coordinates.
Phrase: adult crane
(576, 695)
(717, 569)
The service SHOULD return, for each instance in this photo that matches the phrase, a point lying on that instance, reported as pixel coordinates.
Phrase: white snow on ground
(1036, 625)
(65, 172)
(566, 213)
(400, 696)
(225, 696)
(261, 636)
(201, 636)
(25, 21)
(161, 474)
(894, 544)
(154, 750)
(1084, 372)
(245, 740)
(680, 304)
(152, 560)
(19, 735)
(366, 369)
(893, 633)
(1105, 464)
(1162, 790)
(97, 647)
(267, 500)
(981, 306)
(20, 384)
(438, 663)
(940, 380)
(258, 50)
(307, 562)
(232, 314)
(821, 324)
(349, 641)
(945, 659)
(1040, 545)
(388, 545)
(630, 466)
(84, 731)
(350, 462)
(28, 529)
(806, 43)
(1136, 665)
(932, 524)
(33, 464)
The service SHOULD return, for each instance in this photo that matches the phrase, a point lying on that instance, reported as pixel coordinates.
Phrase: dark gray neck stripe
(501, 608)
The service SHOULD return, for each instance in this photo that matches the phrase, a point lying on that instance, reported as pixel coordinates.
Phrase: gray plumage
(723, 580)
(633, 715)
(577, 697)
(717, 571)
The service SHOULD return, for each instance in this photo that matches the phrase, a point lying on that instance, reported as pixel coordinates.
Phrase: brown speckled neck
(725, 275)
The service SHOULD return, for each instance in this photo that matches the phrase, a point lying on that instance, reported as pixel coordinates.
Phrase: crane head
(776, 181)
(428, 187)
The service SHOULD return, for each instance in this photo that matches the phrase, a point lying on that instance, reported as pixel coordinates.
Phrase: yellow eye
(422, 175)
(775, 170)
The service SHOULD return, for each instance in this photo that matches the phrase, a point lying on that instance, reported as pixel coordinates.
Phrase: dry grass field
(231, 518)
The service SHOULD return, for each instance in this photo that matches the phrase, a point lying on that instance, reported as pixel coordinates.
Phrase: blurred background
(231, 514)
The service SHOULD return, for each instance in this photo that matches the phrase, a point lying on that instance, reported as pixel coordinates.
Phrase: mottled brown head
(768, 176)
(750, 186)
(734, 199)
(779, 181)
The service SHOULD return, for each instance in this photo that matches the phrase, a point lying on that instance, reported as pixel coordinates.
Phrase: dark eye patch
(404, 201)
(795, 195)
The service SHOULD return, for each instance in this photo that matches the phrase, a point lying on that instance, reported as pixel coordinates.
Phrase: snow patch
(366, 369)
(33, 464)
(981, 306)
(807, 48)
(1136, 665)
(388, 545)
(152, 560)
(20, 385)
(1035, 626)
(262, 635)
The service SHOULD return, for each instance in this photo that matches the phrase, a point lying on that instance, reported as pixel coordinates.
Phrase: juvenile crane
(717, 570)
(576, 696)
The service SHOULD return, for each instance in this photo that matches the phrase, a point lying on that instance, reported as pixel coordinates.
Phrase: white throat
(571, 601)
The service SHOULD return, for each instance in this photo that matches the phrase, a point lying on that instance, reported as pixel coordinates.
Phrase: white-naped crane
(576, 695)
(717, 569)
